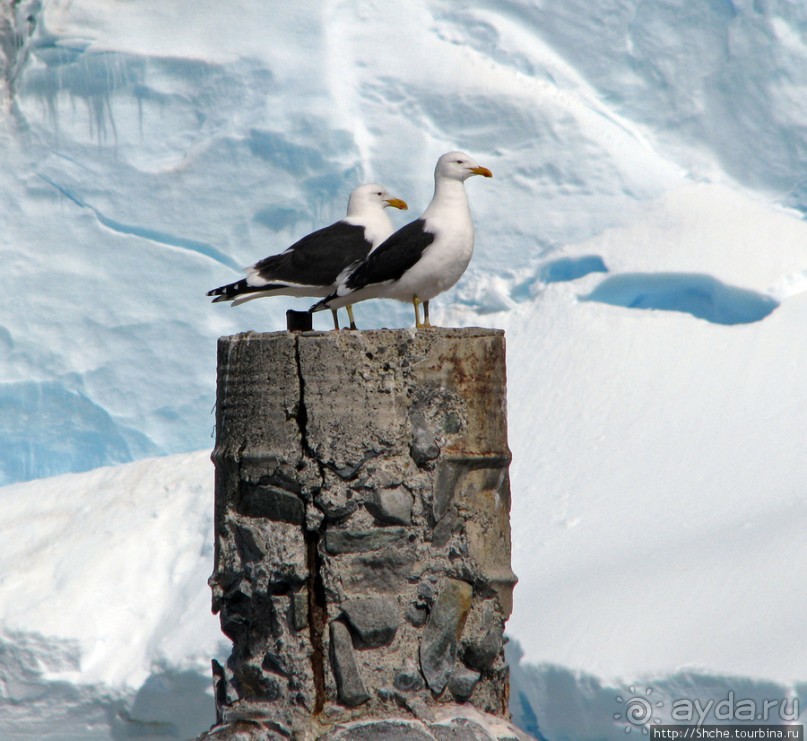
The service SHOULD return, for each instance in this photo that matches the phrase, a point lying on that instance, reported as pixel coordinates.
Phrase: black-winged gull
(425, 257)
(311, 266)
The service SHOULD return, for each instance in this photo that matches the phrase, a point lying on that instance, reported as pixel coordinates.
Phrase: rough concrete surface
(362, 535)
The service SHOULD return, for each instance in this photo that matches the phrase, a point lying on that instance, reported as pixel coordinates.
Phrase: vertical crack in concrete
(317, 610)
(317, 616)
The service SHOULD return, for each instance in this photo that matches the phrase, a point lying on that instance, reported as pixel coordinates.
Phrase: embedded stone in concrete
(336, 504)
(483, 637)
(426, 592)
(349, 683)
(462, 683)
(374, 620)
(273, 546)
(361, 541)
(391, 506)
(235, 612)
(379, 571)
(448, 474)
(408, 678)
(446, 528)
(274, 663)
(254, 682)
(441, 635)
(299, 609)
(417, 614)
(272, 503)
(424, 447)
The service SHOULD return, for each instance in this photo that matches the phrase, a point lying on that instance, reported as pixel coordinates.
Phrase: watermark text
(727, 733)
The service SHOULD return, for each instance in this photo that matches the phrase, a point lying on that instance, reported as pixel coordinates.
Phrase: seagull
(311, 266)
(424, 258)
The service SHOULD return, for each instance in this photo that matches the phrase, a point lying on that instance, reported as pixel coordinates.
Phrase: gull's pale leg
(416, 303)
(349, 308)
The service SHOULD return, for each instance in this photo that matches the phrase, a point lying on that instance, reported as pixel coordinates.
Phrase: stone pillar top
(362, 532)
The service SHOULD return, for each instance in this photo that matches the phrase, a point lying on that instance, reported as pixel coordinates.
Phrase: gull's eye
(459, 162)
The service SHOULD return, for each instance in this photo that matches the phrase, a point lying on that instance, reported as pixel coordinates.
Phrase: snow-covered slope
(105, 622)
(667, 448)
(642, 242)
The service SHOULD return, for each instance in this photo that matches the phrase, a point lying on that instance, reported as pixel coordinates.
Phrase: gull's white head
(459, 166)
(372, 195)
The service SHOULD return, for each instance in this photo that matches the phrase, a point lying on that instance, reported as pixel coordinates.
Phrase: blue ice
(571, 268)
(700, 295)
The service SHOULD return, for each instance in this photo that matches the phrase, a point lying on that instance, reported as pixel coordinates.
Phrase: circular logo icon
(637, 709)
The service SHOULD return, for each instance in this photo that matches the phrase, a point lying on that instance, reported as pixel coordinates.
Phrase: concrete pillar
(362, 535)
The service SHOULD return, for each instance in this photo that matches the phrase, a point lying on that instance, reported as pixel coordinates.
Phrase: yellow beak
(482, 171)
(397, 203)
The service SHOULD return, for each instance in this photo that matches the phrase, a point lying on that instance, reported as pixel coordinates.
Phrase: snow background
(642, 242)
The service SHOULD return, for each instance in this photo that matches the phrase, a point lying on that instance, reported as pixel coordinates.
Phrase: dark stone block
(247, 545)
(480, 654)
(253, 683)
(408, 679)
(219, 688)
(391, 506)
(462, 683)
(446, 528)
(336, 504)
(448, 475)
(426, 592)
(274, 663)
(273, 503)
(299, 609)
(441, 636)
(361, 541)
(350, 686)
(234, 614)
(452, 423)
(417, 615)
(380, 571)
(374, 620)
(424, 447)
